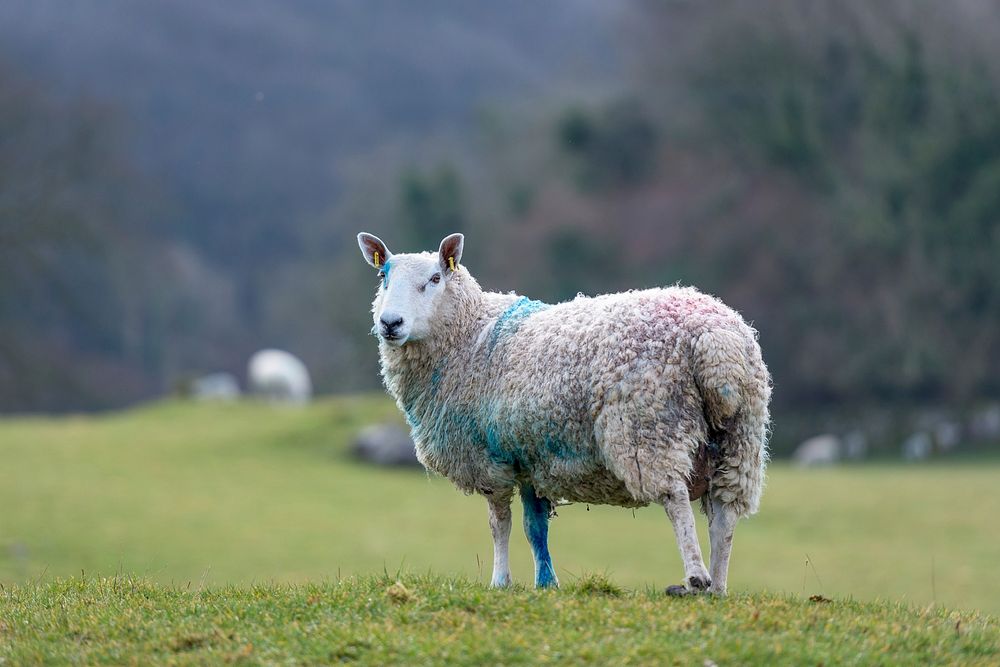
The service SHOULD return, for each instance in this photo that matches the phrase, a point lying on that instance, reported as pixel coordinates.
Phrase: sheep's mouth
(394, 339)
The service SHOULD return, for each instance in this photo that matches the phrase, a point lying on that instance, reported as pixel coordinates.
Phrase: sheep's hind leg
(678, 508)
(720, 529)
(536, 528)
(500, 528)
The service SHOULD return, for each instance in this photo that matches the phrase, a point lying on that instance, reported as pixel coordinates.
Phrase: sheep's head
(411, 288)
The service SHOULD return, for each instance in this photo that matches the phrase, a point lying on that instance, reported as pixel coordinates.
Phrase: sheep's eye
(381, 275)
(436, 278)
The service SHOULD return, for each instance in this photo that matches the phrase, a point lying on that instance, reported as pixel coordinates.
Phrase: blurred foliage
(101, 303)
(432, 205)
(582, 264)
(612, 149)
(895, 145)
(67, 226)
(831, 170)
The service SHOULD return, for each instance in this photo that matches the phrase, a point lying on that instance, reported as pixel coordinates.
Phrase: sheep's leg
(536, 528)
(500, 527)
(682, 517)
(720, 530)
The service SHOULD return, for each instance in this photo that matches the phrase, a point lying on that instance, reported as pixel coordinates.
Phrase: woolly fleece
(598, 400)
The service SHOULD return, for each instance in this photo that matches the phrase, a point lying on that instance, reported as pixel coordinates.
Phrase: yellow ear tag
(451, 263)
(376, 259)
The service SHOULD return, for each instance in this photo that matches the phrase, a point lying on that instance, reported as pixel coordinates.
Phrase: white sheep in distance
(653, 396)
(279, 377)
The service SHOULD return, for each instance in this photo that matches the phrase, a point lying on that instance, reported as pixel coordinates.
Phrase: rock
(855, 446)
(947, 435)
(215, 387)
(819, 450)
(985, 423)
(385, 445)
(279, 377)
(917, 447)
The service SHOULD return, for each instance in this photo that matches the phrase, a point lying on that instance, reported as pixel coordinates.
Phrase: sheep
(280, 377)
(652, 396)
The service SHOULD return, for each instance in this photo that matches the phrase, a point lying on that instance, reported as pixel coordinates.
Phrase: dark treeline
(66, 254)
(832, 170)
(172, 171)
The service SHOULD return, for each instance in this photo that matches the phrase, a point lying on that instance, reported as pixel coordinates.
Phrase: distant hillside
(830, 171)
(243, 110)
(238, 119)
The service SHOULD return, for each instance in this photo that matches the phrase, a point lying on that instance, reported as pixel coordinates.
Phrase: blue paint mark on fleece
(435, 380)
(495, 448)
(510, 319)
(385, 274)
(536, 527)
(502, 451)
(478, 432)
(560, 449)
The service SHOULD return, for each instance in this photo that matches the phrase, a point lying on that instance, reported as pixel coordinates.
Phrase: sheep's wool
(597, 400)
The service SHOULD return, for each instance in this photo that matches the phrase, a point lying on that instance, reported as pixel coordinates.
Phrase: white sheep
(653, 396)
(279, 377)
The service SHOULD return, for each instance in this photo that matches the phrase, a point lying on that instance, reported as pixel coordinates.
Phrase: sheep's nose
(389, 324)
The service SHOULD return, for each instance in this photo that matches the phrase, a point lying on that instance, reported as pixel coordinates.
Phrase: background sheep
(623, 399)
(279, 376)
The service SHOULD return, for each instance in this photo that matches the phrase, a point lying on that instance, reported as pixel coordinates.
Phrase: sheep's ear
(373, 249)
(450, 252)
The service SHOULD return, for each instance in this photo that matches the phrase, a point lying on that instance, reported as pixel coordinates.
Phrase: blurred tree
(67, 274)
(578, 262)
(883, 269)
(613, 149)
(432, 204)
(830, 168)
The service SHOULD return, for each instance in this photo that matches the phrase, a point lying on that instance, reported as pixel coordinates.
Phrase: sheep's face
(411, 287)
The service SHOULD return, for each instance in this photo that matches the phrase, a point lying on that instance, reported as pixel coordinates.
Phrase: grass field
(211, 495)
(434, 620)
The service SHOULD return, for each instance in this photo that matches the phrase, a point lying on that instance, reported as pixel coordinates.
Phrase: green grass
(240, 494)
(421, 620)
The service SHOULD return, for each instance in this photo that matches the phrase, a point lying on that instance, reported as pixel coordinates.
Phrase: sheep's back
(570, 354)
(547, 372)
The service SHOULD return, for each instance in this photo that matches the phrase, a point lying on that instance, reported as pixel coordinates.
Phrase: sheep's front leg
(536, 528)
(500, 527)
(682, 517)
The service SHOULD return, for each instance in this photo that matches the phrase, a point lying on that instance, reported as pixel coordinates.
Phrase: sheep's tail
(735, 387)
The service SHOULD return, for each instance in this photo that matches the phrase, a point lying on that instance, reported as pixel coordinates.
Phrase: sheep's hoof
(695, 585)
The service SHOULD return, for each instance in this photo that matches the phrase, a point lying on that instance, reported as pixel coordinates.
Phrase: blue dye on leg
(536, 527)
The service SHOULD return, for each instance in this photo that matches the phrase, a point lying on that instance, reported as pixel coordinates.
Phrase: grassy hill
(213, 495)
(376, 620)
